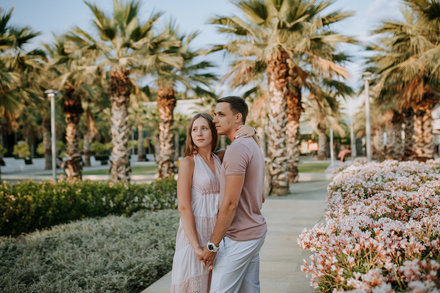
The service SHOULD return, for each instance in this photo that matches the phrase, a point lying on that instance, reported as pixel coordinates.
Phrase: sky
(58, 16)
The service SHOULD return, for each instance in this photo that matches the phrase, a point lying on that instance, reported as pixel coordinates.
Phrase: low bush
(29, 205)
(382, 230)
(111, 254)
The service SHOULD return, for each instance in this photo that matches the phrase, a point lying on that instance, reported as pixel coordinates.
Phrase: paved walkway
(281, 257)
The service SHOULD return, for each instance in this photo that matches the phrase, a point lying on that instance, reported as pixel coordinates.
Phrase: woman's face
(201, 133)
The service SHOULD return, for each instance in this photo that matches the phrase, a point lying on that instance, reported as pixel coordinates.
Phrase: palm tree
(138, 117)
(194, 76)
(126, 45)
(283, 38)
(408, 72)
(17, 68)
(321, 113)
(74, 77)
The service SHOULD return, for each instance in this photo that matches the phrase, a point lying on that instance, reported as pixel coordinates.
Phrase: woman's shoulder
(187, 162)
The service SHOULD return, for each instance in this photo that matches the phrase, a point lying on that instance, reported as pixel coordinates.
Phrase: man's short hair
(238, 105)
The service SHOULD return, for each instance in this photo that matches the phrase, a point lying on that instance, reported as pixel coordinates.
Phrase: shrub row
(28, 205)
(382, 230)
(110, 254)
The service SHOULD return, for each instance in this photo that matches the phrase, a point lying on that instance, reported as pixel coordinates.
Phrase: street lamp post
(353, 140)
(132, 141)
(332, 153)
(366, 76)
(51, 95)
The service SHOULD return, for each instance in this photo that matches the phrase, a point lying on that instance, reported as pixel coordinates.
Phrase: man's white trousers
(237, 267)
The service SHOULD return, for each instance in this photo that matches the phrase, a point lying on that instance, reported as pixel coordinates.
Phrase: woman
(198, 189)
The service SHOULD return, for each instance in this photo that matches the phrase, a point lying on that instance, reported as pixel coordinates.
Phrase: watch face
(210, 247)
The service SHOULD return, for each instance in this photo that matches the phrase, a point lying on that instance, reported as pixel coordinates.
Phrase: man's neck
(231, 133)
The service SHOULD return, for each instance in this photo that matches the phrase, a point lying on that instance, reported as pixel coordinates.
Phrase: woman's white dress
(188, 274)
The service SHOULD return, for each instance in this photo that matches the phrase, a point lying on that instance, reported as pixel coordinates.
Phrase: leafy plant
(22, 150)
(28, 205)
(111, 254)
(98, 147)
(3, 150)
(61, 147)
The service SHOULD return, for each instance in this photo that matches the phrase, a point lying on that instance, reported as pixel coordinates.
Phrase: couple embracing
(220, 196)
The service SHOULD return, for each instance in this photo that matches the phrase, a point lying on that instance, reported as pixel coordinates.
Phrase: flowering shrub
(30, 205)
(381, 230)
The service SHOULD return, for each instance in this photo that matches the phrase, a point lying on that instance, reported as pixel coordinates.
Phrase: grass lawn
(308, 167)
(313, 167)
(136, 170)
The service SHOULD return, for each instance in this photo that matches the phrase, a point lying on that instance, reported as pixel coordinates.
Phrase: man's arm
(233, 187)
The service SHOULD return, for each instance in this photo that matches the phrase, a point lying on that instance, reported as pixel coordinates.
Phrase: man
(241, 228)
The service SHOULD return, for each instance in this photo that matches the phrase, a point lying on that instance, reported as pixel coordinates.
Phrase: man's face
(224, 119)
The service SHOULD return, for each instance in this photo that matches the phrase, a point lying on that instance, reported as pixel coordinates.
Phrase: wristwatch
(212, 247)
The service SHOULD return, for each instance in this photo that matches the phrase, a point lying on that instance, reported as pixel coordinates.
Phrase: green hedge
(28, 205)
(110, 254)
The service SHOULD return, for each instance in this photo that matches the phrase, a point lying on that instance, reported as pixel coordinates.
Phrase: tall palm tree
(193, 75)
(73, 76)
(13, 60)
(17, 69)
(408, 71)
(138, 117)
(322, 112)
(285, 39)
(126, 45)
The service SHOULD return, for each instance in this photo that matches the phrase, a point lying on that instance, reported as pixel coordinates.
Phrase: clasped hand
(206, 257)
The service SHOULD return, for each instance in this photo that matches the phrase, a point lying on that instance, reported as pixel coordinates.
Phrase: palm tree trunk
(388, 145)
(378, 142)
(278, 179)
(397, 146)
(408, 152)
(322, 141)
(120, 87)
(89, 132)
(294, 109)
(46, 144)
(423, 136)
(86, 148)
(1, 145)
(157, 148)
(418, 135)
(262, 139)
(176, 146)
(428, 137)
(141, 149)
(166, 102)
(292, 134)
(72, 111)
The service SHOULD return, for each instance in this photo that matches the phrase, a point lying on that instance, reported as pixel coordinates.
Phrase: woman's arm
(246, 131)
(184, 187)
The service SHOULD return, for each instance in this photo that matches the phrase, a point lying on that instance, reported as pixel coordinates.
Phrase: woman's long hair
(191, 148)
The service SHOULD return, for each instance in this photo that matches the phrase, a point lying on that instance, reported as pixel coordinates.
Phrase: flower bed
(381, 231)
(28, 205)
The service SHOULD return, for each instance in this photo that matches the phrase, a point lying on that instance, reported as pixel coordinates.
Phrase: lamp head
(366, 75)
